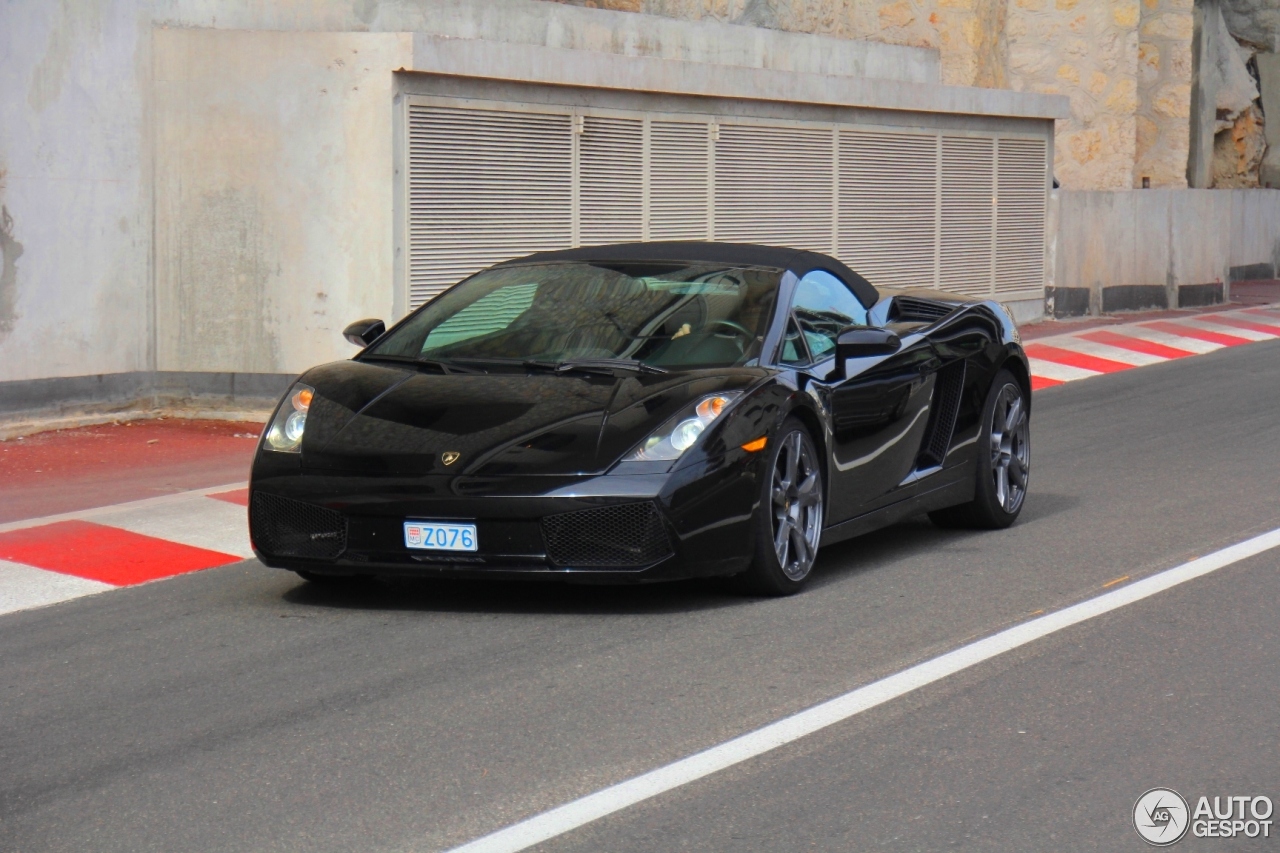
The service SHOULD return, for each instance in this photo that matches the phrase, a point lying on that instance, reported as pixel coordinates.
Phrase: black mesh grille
(944, 408)
(288, 528)
(908, 309)
(622, 536)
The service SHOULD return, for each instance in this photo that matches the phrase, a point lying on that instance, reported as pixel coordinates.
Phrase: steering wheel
(740, 334)
(736, 328)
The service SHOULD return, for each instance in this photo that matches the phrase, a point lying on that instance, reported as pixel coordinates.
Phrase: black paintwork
(532, 444)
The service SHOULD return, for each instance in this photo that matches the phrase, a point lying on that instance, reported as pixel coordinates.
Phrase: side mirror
(364, 332)
(862, 341)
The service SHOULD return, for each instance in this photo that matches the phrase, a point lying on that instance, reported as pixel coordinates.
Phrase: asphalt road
(239, 709)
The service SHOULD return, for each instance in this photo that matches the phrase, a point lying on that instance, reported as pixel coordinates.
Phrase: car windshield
(667, 315)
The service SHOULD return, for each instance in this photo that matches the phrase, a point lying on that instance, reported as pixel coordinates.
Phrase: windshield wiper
(596, 365)
(438, 364)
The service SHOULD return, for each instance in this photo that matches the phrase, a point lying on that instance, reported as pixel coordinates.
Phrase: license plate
(440, 536)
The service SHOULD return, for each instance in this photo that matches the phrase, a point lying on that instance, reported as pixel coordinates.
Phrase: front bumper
(604, 529)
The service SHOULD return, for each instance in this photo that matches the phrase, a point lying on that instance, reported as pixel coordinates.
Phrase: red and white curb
(1110, 349)
(57, 558)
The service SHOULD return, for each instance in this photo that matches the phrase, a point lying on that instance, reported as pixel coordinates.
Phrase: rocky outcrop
(1254, 21)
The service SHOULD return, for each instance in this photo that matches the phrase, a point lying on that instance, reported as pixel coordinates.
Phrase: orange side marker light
(758, 444)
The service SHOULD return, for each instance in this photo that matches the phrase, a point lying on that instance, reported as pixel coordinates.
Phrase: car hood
(378, 419)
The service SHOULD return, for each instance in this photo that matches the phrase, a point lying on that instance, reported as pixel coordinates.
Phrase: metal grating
(283, 527)
(620, 536)
(485, 186)
(906, 208)
(968, 202)
(889, 207)
(1020, 215)
(679, 181)
(774, 185)
(611, 181)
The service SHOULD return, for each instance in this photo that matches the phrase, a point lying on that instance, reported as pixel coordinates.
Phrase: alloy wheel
(1010, 448)
(797, 506)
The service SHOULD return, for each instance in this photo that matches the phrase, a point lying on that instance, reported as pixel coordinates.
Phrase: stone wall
(1164, 93)
(1088, 51)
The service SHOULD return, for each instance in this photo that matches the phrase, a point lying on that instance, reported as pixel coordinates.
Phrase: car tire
(1004, 461)
(790, 512)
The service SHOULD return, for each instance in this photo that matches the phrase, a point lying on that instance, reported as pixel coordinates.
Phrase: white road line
(570, 816)
(207, 523)
(1192, 345)
(145, 503)
(23, 587)
(1234, 331)
(1087, 347)
(1061, 372)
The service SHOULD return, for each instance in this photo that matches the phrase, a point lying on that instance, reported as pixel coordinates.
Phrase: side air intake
(910, 309)
(943, 409)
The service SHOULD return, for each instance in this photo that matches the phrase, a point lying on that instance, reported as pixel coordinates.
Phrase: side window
(793, 348)
(823, 305)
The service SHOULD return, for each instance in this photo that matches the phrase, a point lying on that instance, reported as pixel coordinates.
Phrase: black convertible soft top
(798, 261)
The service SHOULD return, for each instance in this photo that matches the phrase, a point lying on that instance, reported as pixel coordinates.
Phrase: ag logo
(1161, 817)
(449, 457)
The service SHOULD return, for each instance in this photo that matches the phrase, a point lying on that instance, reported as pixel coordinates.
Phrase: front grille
(909, 309)
(621, 536)
(283, 527)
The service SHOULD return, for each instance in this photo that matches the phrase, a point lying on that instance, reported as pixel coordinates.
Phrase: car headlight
(678, 434)
(285, 432)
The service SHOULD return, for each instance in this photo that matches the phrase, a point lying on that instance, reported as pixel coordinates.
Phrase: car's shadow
(836, 563)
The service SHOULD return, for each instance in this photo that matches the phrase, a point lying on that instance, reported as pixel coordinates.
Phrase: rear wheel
(1004, 461)
(789, 519)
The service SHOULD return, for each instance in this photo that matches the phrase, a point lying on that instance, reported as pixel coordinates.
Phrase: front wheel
(789, 518)
(1004, 461)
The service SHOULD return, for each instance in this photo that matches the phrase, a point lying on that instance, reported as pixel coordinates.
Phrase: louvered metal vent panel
(1020, 213)
(484, 187)
(679, 180)
(905, 208)
(968, 175)
(611, 181)
(889, 207)
(774, 185)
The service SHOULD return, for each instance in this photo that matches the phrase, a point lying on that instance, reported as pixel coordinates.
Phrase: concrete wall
(742, 41)
(1159, 244)
(75, 192)
(274, 181)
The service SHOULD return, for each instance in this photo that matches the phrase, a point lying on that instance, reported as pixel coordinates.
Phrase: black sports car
(641, 412)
